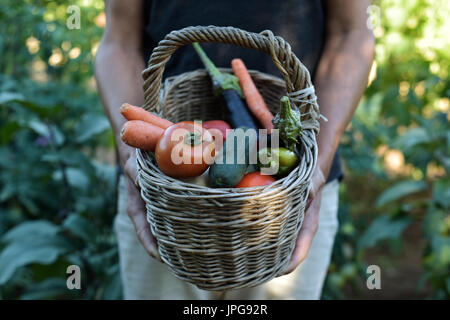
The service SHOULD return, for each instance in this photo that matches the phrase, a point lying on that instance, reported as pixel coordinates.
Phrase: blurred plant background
(58, 172)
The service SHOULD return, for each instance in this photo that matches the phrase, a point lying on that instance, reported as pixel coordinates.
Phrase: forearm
(340, 82)
(118, 73)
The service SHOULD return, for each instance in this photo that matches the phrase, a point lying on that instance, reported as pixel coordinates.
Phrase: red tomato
(185, 150)
(254, 179)
(219, 125)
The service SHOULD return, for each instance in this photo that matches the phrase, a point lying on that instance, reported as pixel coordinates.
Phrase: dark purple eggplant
(227, 86)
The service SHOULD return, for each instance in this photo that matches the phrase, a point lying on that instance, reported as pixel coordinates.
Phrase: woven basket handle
(297, 78)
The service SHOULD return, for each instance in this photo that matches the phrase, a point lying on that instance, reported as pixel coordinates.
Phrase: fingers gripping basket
(226, 238)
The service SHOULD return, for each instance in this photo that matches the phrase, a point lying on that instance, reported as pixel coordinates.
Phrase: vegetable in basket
(185, 150)
(289, 123)
(220, 125)
(255, 101)
(227, 86)
(141, 134)
(131, 112)
(281, 159)
(201, 180)
(232, 162)
(143, 129)
(255, 179)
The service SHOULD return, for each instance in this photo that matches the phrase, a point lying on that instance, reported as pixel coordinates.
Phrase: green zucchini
(232, 162)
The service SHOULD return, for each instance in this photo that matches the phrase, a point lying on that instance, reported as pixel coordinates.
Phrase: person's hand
(310, 221)
(136, 208)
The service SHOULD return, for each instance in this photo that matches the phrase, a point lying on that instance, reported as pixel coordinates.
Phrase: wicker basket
(225, 238)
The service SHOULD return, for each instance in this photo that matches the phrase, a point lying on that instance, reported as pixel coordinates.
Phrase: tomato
(185, 150)
(255, 179)
(219, 125)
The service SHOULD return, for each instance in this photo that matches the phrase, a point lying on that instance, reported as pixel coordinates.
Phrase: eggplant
(227, 86)
(237, 112)
(288, 121)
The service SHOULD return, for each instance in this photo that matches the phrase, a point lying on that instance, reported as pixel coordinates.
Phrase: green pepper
(283, 159)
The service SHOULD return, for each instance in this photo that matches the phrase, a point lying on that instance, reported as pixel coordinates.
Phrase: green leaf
(45, 130)
(412, 138)
(48, 289)
(441, 192)
(34, 248)
(400, 190)
(6, 97)
(42, 110)
(57, 135)
(36, 227)
(68, 156)
(441, 249)
(39, 127)
(434, 221)
(7, 131)
(76, 177)
(98, 261)
(380, 229)
(91, 125)
(80, 227)
(106, 172)
(369, 109)
(7, 191)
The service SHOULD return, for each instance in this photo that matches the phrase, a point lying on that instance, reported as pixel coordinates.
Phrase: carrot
(254, 99)
(131, 112)
(141, 134)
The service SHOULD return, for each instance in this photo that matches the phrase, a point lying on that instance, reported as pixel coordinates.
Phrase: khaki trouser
(145, 278)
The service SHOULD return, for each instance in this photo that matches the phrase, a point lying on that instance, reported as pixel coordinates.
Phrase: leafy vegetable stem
(221, 81)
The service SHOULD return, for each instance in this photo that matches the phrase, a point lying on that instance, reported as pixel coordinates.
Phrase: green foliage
(380, 229)
(57, 199)
(27, 245)
(405, 108)
(400, 190)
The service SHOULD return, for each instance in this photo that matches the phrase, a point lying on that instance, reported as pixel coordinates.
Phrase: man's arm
(119, 62)
(118, 66)
(342, 72)
(340, 82)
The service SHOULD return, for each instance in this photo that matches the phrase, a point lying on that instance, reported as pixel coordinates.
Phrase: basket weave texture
(226, 238)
